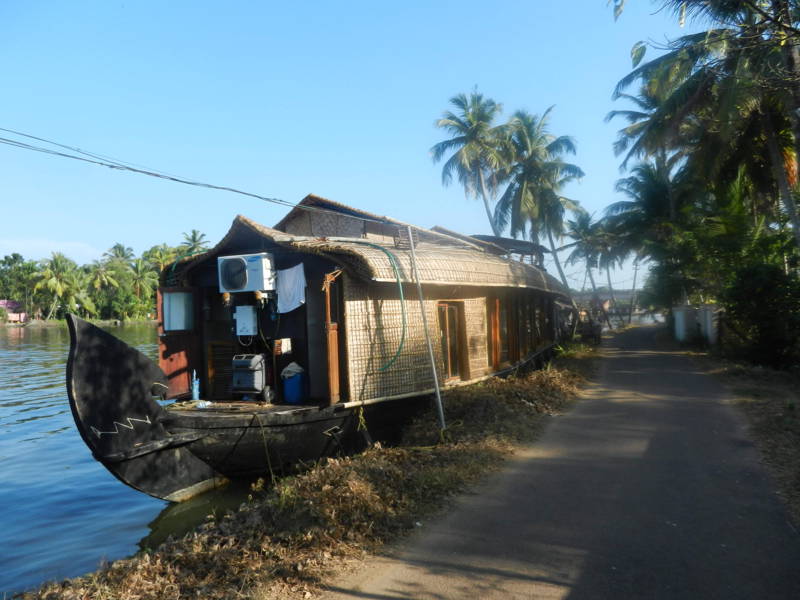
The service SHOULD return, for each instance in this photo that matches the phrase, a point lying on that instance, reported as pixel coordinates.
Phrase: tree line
(120, 285)
(709, 152)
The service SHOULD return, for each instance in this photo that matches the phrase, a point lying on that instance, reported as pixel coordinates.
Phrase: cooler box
(294, 389)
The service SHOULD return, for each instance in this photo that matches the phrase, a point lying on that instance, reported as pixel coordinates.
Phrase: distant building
(14, 311)
(623, 297)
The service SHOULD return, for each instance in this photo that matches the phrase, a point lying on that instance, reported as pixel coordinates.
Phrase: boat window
(524, 325)
(178, 311)
(534, 324)
(500, 329)
(449, 329)
(549, 324)
(503, 318)
(490, 329)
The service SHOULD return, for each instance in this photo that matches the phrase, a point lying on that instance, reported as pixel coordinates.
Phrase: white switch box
(246, 323)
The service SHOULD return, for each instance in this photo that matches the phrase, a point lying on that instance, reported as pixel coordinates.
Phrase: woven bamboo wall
(373, 328)
(379, 233)
(322, 224)
(373, 318)
(477, 338)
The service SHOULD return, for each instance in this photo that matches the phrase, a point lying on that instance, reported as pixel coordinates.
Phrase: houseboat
(278, 344)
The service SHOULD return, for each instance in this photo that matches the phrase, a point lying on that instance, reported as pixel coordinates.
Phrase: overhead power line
(103, 161)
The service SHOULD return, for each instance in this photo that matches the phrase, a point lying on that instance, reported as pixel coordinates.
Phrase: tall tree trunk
(489, 212)
(613, 299)
(563, 280)
(781, 179)
(555, 258)
(661, 166)
(633, 291)
(791, 60)
(52, 309)
(594, 289)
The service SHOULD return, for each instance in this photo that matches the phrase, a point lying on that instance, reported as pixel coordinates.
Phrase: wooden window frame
(180, 350)
(462, 351)
(498, 305)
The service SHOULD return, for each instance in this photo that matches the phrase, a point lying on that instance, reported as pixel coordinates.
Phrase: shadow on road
(650, 488)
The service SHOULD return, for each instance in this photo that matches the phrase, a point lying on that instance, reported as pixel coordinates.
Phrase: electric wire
(110, 159)
(100, 160)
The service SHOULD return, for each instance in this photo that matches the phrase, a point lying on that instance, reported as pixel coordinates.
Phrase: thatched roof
(512, 245)
(438, 264)
(312, 202)
(483, 244)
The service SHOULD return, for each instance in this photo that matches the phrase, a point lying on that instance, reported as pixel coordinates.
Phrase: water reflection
(178, 519)
(63, 513)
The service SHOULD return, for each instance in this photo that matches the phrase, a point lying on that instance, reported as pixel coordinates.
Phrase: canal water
(61, 513)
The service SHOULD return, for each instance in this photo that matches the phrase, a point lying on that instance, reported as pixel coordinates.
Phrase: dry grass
(286, 539)
(769, 401)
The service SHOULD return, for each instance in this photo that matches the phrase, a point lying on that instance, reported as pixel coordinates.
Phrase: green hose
(393, 262)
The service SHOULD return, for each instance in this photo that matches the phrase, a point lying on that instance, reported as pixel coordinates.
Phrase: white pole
(425, 327)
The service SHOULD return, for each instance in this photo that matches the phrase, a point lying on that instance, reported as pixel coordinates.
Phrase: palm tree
(645, 134)
(474, 144)
(77, 296)
(119, 253)
(649, 215)
(193, 242)
(536, 173)
(143, 278)
(587, 248)
(101, 276)
(55, 278)
(719, 96)
(611, 253)
(762, 29)
(160, 256)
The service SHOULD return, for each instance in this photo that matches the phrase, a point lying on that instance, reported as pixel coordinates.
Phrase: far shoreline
(52, 323)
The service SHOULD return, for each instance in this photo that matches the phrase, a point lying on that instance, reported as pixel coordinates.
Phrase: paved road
(649, 488)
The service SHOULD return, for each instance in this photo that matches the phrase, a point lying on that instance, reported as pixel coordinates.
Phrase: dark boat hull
(175, 454)
(258, 441)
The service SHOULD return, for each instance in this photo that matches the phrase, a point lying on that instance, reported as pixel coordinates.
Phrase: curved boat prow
(111, 389)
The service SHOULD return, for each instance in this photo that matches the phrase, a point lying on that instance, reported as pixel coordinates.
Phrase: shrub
(764, 304)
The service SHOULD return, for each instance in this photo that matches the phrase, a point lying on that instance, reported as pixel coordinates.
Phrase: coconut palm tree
(718, 86)
(143, 278)
(586, 247)
(55, 279)
(193, 242)
(536, 173)
(160, 256)
(473, 142)
(101, 276)
(77, 297)
(119, 253)
(611, 252)
(647, 217)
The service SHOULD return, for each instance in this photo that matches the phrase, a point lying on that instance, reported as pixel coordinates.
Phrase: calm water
(62, 513)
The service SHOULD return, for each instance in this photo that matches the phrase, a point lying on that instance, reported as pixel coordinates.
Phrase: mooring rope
(266, 450)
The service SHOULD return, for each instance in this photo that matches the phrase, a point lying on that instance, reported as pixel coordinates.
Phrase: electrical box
(246, 320)
(246, 273)
(249, 374)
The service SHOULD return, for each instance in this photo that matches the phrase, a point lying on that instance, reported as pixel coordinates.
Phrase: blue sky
(285, 99)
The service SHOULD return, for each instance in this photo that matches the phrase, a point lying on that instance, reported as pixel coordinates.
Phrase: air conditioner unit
(246, 273)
